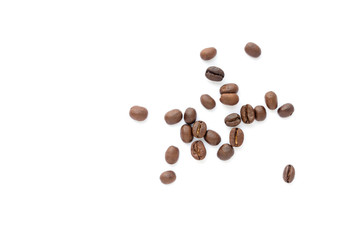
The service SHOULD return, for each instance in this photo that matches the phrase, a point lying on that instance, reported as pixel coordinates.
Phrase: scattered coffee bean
(173, 116)
(171, 155)
(138, 113)
(247, 114)
(229, 99)
(214, 74)
(190, 115)
(271, 100)
(229, 88)
(236, 137)
(232, 120)
(168, 177)
(212, 137)
(186, 133)
(208, 53)
(198, 150)
(286, 110)
(289, 173)
(199, 129)
(260, 113)
(207, 101)
(252, 49)
(225, 152)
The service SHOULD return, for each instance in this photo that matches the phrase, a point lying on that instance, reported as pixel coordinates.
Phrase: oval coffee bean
(199, 129)
(198, 150)
(173, 116)
(247, 114)
(229, 99)
(212, 137)
(225, 152)
(286, 110)
(214, 74)
(229, 88)
(190, 115)
(252, 49)
(186, 133)
(138, 113)
(236, 137)
(207, 101)
(232, 120)
(208, 53)
(289, 173)
(171, 155)
(260, 113)
(168, 177)
(271, 100)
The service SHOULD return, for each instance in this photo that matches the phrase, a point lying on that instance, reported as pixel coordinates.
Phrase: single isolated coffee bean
(260, 113)
(236, 137)
(271, 100)
(232, 120)
(289, 173)
(171, 155)
(229, 99)
(212, 137)
(186, 133)
(190, 115)
(173, 116)
(252, 50)
(138, 113)
(198, 150)
(247, 114)
(208, 53)
(229, 88)
(225, 152)
(286, 110)
(199, 129)
(168, 177)
(207, 101)
(214, 74)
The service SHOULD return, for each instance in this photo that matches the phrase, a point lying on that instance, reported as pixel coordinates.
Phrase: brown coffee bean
(252, 49)
(232, 120)
(190, 115)
(207, 101)
(208, 53)
(138, 113)
(215, 74)
(260, 113)
(168, 177)
(171, 155)
(212, 137)
(198, 150)
(271, 100)
(225, 152)
(229, 99)
(247, 114)
(199, 129)
(236, 137)
(229, 88)
(286, 110)
(186, 133)
(173, 116)
(289, 174)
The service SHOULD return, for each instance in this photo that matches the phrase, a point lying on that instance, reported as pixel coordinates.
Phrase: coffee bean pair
(229, 94)
(271, 100)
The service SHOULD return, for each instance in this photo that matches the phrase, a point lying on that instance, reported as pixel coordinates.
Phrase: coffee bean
(212, 137)
(208, 53)
(214, 74)
(225, 152)
(199, 129)
(168, 177)
(247, 114)
(232, 120)
(252, 49)
(186, 133)
(171, 155)
(229, 98)
(229, 88)
(173, 116)
(207, 101)
(286, 110)
(138, 113)
(198, 150)
(260, 113)
(236, 137)
(271, 100)
(289, 173)
(190, 115)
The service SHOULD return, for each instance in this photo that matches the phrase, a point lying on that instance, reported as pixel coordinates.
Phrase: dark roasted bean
(199, 129)
(236, 137)
(247, 114)
(198, 150)
(212, 137)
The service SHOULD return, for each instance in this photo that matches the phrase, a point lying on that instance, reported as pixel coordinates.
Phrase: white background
(74, 165)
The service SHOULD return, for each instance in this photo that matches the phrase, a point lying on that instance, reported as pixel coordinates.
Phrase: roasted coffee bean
(225, 152)
(186, 133)
(271, 100)
(214, 74)
(208, 53)
(289, 173)
(286, 110)
(236, 137)
(173, 116)
(212, 137)
(247, 114)
(190, 115)
(199, 129)
(229, 88)
(207, 101)
(232, 120)
(260, 113)
(252, 49)
(138, 113)
(168, 177)
(171, 155)
(198, 150)
(229, 98)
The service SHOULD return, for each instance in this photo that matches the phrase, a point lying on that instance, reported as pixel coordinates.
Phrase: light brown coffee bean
(229, 88)
(212, 137)
(271, 100)
(289, 174)
(198, 150)
(190, 115)
(252, 49)
(138, 113)
(208, 53)
(186, 133)
(286, 110)
(229, 99)
(260, 113)
(171, 155)
(232, 120)
(236, 137)
(199, 129)
(247, 114)
(207, 101)
(225, 152)
(168, 177)
(174, 116)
